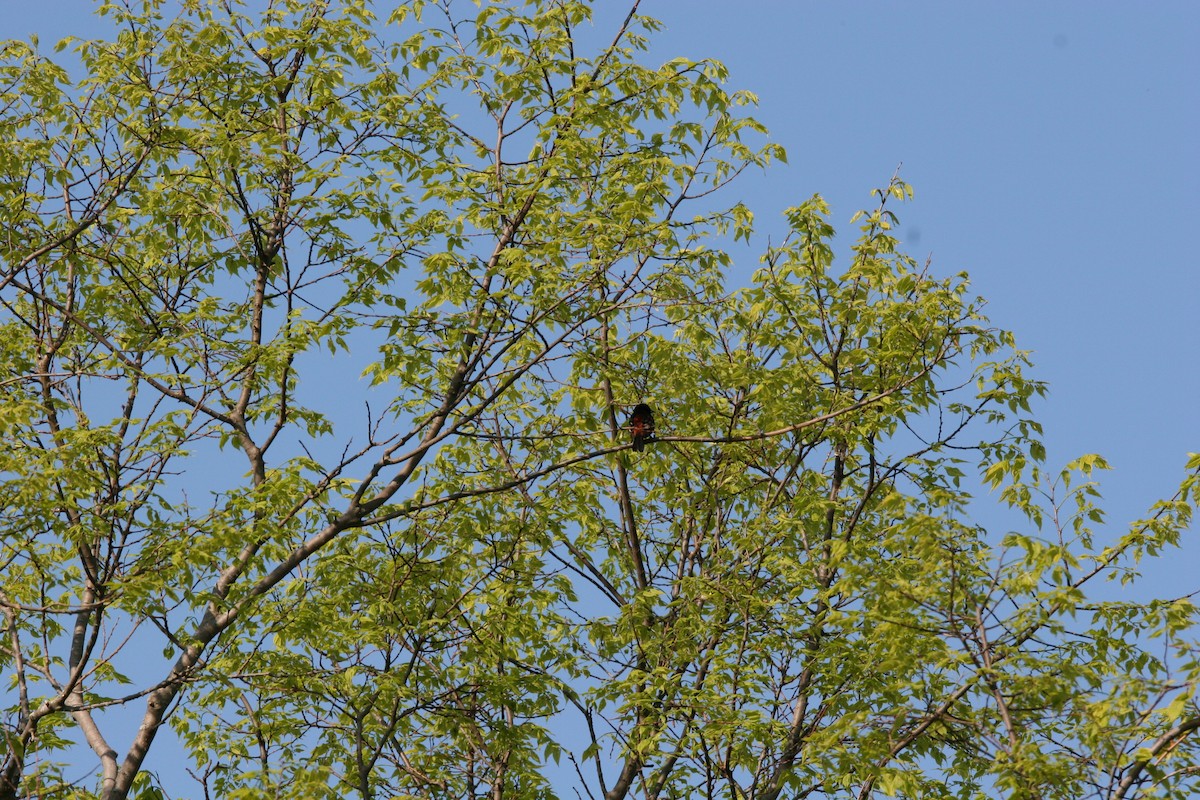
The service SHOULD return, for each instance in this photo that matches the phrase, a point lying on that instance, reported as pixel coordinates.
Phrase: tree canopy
(322, 324)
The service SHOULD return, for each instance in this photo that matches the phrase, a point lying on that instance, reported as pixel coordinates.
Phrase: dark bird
(641, 425)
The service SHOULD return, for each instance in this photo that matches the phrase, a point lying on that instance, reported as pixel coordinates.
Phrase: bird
(641, 425)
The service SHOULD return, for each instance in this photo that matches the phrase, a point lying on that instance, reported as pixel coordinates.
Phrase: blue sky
(1053, 150)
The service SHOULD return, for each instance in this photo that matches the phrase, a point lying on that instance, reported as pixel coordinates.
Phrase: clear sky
(1054, 149)
(1055, 155)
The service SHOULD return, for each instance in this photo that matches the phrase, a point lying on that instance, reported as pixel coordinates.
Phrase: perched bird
(641, 425)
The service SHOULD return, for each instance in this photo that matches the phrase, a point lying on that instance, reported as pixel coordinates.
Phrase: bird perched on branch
(641, 425)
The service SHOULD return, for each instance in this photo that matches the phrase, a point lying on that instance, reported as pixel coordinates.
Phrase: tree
(320, 334)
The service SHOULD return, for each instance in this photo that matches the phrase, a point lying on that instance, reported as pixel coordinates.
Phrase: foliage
(320, 331)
